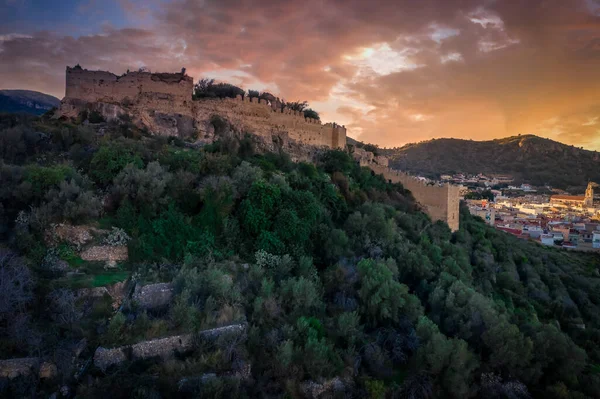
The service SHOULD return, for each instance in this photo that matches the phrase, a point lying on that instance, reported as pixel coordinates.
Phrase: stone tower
(589, 195)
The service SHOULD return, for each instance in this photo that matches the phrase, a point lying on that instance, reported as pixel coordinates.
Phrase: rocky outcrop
(329, 388)
(115, 291)
(153, 296)
(13, 368)
(74, 235)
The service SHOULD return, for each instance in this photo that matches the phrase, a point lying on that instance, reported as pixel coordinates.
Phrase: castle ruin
(440, 202)
(162, 102)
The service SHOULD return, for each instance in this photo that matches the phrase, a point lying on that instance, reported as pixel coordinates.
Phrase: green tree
(382, 297)
(311, 113)
(109, 160)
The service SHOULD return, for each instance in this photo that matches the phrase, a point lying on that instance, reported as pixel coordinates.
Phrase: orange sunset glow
(391, 71)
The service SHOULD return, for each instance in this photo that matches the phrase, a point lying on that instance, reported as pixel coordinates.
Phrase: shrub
(179, 159)
(43, 178)
(110, 160)
(311, 113)
(16, 282)
(116, 237)
(73, 203)
(96, 117)
(207, 88)
(144, 188)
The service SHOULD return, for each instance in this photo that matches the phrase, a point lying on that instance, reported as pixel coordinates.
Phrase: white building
(547, 239)
(596, 239)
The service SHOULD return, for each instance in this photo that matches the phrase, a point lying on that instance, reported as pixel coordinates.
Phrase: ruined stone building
(162, 102)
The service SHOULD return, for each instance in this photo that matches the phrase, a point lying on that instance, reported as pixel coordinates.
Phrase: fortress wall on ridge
(163, 103)
(261, 118)
(439, 202)
(164, 92)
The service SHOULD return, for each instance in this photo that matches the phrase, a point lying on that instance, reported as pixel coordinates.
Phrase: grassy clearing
(101, 280)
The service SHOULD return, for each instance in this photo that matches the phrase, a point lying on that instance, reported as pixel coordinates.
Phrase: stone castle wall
(263, 119)
(163, 103)
(163, 92)
(439, 202)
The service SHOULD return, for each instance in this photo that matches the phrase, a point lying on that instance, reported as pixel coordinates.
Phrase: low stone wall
(21, 367)
(105, 253)
(161, 347)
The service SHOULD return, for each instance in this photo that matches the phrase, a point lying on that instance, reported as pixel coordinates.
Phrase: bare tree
(63, 308)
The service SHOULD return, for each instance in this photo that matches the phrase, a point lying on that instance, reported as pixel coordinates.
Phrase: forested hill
(529, 158)
(27, 101)
(336, 285)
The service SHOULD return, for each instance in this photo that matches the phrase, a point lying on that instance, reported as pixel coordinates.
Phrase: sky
(392, 71)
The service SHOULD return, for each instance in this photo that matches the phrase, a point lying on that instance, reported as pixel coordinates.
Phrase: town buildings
(554, 220)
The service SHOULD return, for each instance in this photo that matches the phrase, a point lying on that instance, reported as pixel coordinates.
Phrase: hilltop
(528, 158)
(27, 101)
(138, 265)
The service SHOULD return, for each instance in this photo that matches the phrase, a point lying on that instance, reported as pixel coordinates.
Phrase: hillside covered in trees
(527, 158)
(27, 101)
(343, 288)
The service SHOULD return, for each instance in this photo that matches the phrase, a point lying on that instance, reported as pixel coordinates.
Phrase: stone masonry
(162, 102)
(439, 202)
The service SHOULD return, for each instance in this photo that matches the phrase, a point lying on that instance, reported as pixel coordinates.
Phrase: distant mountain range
(26, 101)
(527, 158)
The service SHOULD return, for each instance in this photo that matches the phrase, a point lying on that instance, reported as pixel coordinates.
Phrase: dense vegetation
(334, 270)
(527, 158)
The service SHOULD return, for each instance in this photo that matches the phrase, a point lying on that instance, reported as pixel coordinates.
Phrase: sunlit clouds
(392, 71)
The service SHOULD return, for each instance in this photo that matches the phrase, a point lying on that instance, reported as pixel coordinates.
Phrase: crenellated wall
(163, 92)
(439, 202)
(163, 103)
(262, 118)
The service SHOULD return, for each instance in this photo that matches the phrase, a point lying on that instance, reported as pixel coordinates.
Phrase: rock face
(161, 347)
(153, 296)
(329, 388)
(74, 235)
(13, 368)
(115, 291)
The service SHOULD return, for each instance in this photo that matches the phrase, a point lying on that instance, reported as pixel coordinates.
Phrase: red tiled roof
(568, 197)
(509, 230)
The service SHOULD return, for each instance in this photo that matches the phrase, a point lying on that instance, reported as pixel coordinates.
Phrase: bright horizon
(393, 73)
